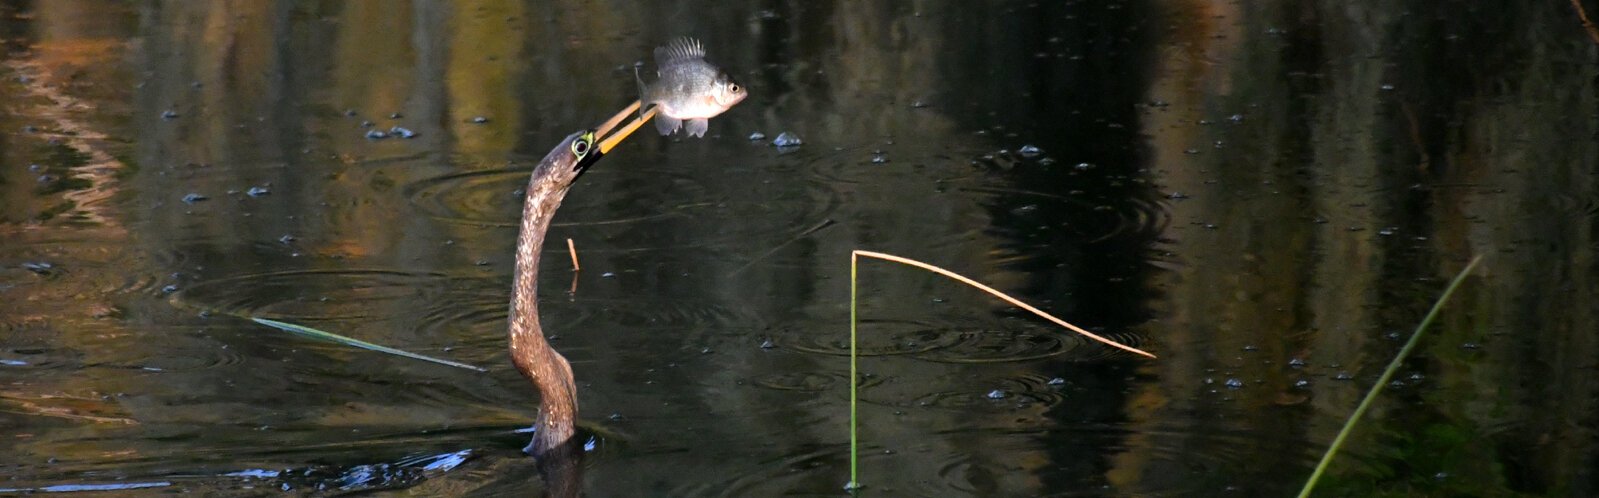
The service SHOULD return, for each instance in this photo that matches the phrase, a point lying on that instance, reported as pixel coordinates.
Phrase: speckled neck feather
(547, 369)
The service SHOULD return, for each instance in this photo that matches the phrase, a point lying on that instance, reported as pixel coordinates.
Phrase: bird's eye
(581, 146)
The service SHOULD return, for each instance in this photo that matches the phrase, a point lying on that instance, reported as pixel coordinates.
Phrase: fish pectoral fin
(666, 124)
(696, 127)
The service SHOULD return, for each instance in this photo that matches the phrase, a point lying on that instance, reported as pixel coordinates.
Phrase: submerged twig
(571, 248)
(331, 337)
(1387, 374)
(1582, 15)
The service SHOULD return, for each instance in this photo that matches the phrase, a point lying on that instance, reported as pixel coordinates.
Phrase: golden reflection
(484, 45)
(1373, 150)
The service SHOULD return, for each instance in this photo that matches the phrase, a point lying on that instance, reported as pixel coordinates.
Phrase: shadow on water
(1262, 192)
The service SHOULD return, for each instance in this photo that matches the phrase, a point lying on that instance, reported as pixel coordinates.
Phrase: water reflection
(1270, 193)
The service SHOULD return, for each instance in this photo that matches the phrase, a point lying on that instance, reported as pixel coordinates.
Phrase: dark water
(1268, 195)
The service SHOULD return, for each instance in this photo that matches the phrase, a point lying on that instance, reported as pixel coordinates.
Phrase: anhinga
(549, 372)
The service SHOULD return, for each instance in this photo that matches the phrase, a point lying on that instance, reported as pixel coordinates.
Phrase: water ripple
(956, 343)
(313, 294)
(644, 209)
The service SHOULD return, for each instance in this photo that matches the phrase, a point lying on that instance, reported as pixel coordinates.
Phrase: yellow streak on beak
(609, 142)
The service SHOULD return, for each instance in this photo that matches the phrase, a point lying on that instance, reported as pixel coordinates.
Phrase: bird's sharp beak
(609, 140)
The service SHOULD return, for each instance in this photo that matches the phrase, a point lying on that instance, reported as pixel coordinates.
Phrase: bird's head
(567, 161)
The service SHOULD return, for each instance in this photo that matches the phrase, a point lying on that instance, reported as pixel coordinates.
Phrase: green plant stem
(336, 338)
(1387, 375)
(854, 379)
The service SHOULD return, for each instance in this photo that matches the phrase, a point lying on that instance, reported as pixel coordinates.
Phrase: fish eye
(734, 87)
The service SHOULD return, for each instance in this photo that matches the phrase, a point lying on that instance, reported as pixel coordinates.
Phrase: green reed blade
(1387, 375)
(331, 337)
(854, 381)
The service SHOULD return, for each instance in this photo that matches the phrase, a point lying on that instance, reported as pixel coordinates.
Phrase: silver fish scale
(683, 83)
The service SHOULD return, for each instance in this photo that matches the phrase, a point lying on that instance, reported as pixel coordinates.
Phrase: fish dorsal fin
(678, 50)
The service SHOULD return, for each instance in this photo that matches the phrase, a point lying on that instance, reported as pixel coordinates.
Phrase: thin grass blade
(854, 380)
(1387, 375)
(335, 338)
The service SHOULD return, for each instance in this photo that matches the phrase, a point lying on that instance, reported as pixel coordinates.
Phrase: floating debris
(194, 197)
(377, 135)
(997, 394)
(257, 191)
(401, 132)
(757, 136)
(1029, 151)
(169, 114)
(480, 119)
(786, 139)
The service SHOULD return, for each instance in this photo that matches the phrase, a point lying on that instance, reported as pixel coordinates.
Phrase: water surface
(1266, 194)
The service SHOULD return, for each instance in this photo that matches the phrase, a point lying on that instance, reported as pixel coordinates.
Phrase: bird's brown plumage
(549, 372)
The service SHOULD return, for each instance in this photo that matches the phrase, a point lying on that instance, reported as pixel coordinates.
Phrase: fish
(689, 90)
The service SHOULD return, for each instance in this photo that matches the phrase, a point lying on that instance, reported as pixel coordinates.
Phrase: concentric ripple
(998, 394)
(313, 294)
(1126, 217)
(958, 343)
(883, 338)
(811, 382)
(810, 471)
(494, 198)
(481, 305)
(643, 209)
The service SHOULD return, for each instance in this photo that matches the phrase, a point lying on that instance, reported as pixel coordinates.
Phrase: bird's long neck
(547, 369)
